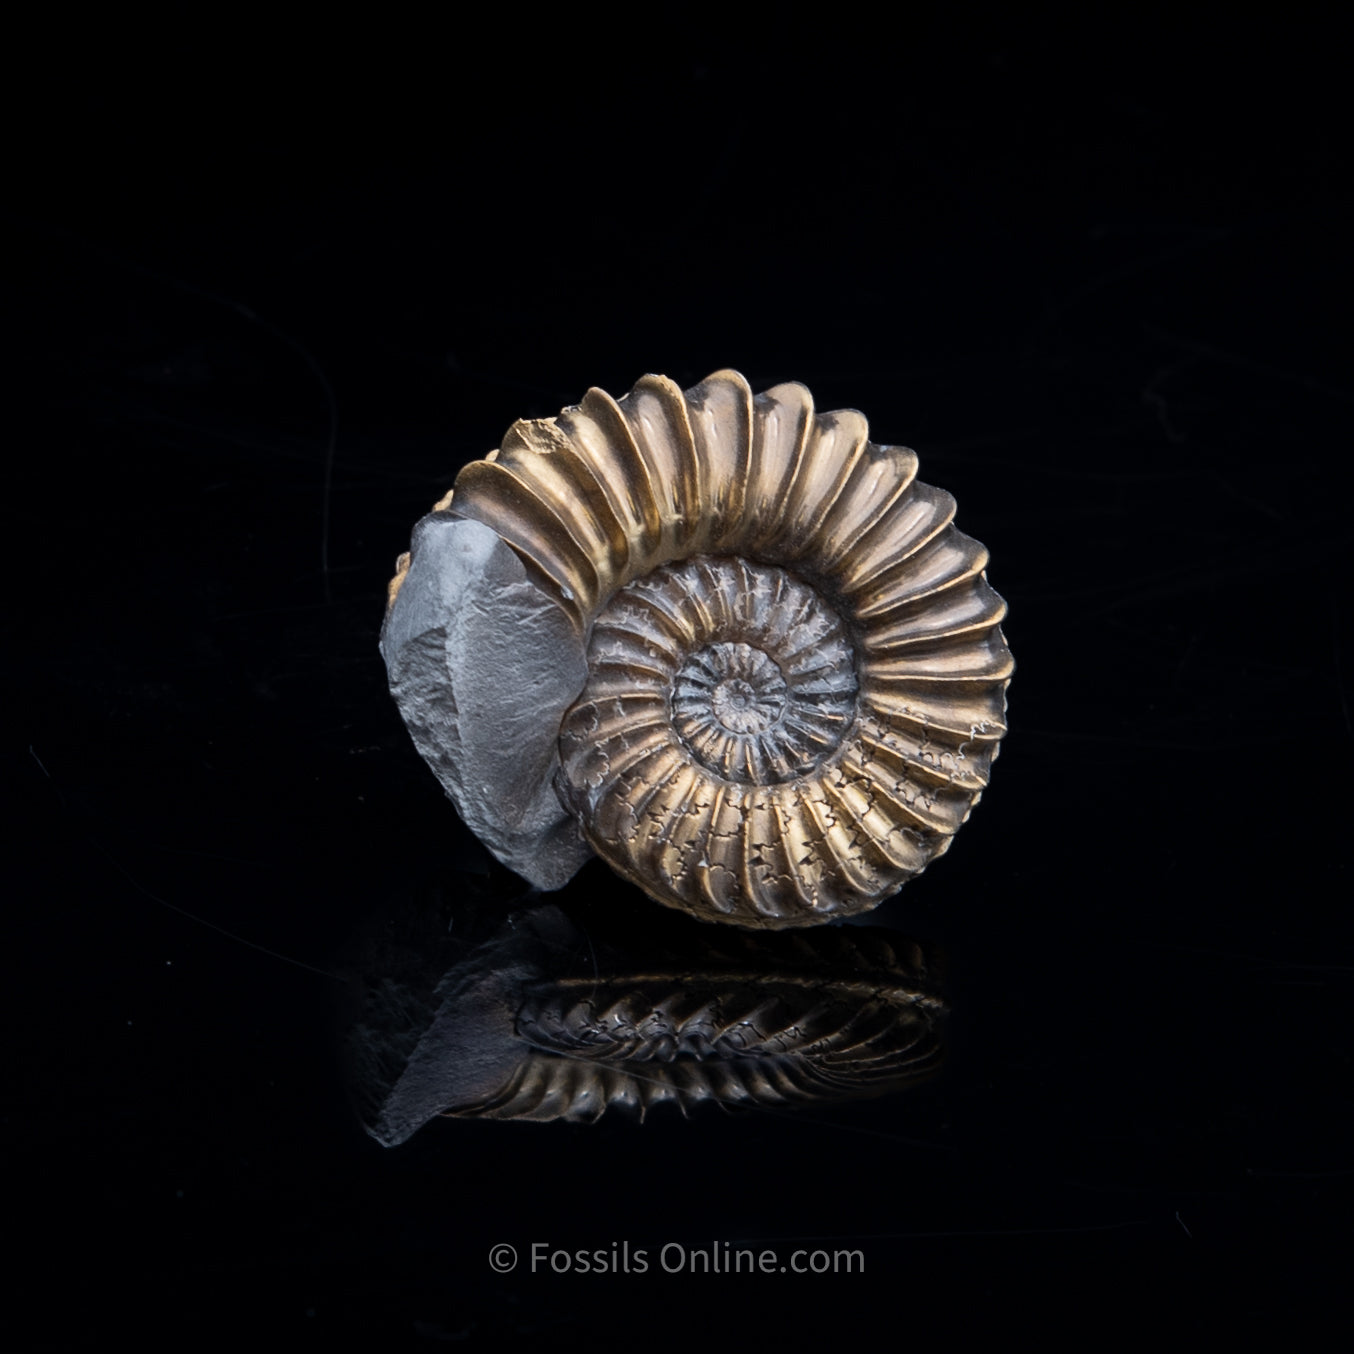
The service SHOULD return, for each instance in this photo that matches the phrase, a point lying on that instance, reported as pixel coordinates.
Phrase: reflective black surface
(269, 293)
(552, 1016)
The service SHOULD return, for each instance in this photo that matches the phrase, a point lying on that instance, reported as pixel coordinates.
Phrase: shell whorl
(797, 674)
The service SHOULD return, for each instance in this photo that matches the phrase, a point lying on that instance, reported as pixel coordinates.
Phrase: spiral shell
(796, 672)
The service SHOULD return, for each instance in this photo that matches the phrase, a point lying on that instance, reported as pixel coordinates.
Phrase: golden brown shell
(797, 674)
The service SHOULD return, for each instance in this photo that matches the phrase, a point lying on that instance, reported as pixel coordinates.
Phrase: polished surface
(552, 1017)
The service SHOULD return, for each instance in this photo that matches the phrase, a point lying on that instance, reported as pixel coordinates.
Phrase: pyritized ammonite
(735, 644)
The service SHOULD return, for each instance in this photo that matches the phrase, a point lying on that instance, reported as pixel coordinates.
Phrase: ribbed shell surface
(797, 672)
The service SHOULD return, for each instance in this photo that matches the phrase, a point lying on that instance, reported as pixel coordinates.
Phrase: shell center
(763, 684)
(736, 671)
(744, 686)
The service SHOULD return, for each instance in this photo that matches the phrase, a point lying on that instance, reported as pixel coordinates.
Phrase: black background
(272, 283)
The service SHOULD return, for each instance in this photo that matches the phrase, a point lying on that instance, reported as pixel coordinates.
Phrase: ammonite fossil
(725, 641)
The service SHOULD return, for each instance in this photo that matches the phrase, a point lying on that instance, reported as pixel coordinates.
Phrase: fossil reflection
(549, 1019)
